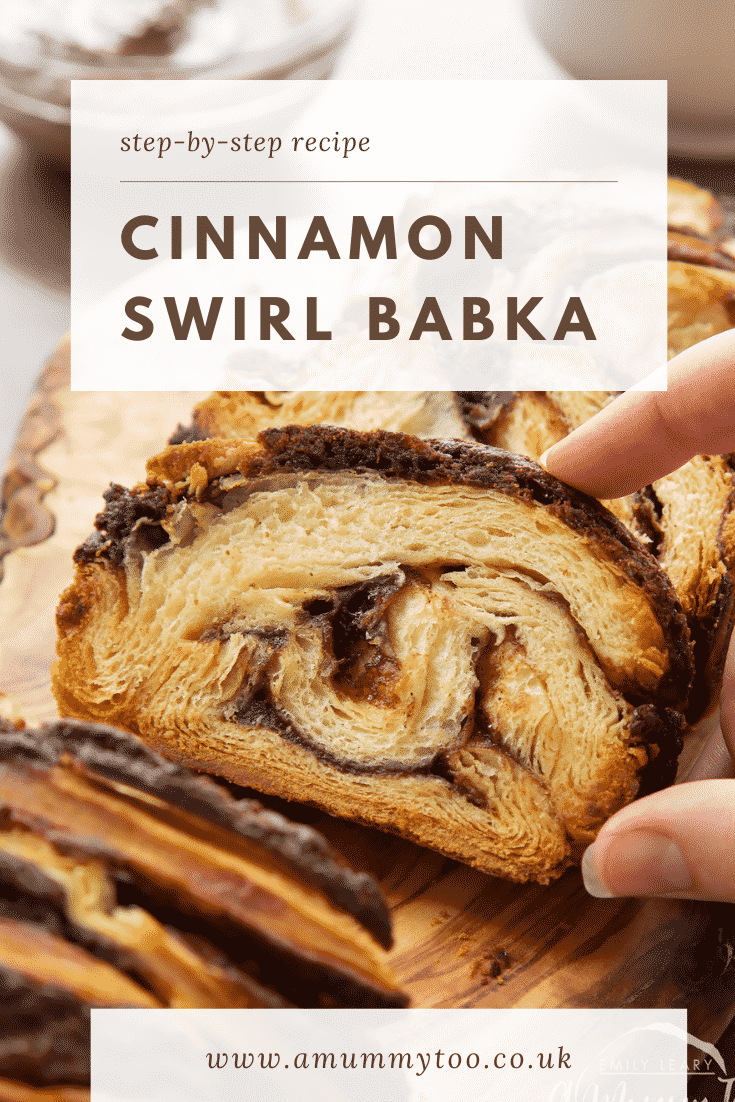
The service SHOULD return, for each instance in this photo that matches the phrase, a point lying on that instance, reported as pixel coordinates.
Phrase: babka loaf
(686, 518)
(701, 268)
(127, 881)
(691, 209)
(435, 638)
(243, 414)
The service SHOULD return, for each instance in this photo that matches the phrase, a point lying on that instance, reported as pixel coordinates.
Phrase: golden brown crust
(126, 881)
(464, 793)
(691, 208)
(195, 470)
(695, 510)
(701, 269)
(104, 751)
(14, 1091)
(701, 303)
(529, 422)
(243, 414)
(685, 519)
(696, 250)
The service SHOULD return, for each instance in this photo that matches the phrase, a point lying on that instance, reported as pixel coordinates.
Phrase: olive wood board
(561, 947)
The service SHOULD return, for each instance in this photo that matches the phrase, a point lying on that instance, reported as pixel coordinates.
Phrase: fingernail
(635, 863)
(543, 458)
(591, 876)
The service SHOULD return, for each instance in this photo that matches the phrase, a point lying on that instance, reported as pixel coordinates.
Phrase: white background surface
(396, 39)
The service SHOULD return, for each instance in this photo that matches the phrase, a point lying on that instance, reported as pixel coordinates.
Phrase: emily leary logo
(717, 1087)
(640, 1071)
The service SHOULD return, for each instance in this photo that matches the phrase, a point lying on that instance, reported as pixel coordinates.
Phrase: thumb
(677, 843)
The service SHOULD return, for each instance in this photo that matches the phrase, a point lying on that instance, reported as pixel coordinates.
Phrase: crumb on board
(490, 965)
(441, 917)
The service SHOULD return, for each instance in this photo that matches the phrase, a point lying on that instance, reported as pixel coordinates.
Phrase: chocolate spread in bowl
(45, 43)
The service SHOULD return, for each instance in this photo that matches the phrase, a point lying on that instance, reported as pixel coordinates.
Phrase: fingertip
(635, 863)
(676, 843)
(550, 459)
(542, 460)
(592, 877)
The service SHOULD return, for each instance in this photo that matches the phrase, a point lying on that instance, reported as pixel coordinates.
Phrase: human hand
(679, 842)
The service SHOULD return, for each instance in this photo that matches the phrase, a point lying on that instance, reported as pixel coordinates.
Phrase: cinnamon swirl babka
(125, 881)
(432, 637)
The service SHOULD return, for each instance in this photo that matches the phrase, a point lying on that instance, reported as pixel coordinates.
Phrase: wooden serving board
(561, 948)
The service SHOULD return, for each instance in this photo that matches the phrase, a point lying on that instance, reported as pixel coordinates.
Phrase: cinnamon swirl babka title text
(145, 239)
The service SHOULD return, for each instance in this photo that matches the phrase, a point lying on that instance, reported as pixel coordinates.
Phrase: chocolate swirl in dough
(432, 637)
(125, 881)
(686, 519)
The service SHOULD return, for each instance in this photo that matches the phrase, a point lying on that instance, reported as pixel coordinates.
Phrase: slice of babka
(433, 637)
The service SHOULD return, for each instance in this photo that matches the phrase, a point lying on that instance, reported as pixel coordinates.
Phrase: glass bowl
(268, 40)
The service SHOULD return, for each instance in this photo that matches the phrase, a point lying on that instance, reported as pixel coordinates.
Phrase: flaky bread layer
(243, 414)
(686, 518)
(692, 208)
(701, 302)
(434, 638)
(686, 530)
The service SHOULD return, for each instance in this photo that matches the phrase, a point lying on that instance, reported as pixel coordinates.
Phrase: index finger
(642, 436)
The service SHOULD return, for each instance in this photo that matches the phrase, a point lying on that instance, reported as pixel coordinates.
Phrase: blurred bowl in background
(689, 44)
(268, 40)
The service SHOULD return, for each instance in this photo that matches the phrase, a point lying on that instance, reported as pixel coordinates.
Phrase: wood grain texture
(69, 448)
(462, 939)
